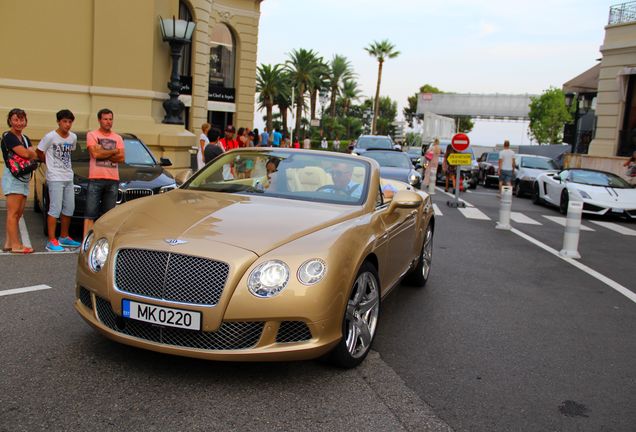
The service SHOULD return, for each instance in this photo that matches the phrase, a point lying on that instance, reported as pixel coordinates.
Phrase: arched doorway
(221, 90)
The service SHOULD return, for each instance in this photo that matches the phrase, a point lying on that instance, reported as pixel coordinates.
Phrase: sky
(462, 46)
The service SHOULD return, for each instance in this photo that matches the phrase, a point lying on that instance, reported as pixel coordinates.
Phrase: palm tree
(302, 67)
(269, 84)
(339, 71)
(319, 83)
(381, 51)
(349, 92)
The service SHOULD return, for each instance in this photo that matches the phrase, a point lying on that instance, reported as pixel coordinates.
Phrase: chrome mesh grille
(230, 336)
(170, 276)
(85, 297)
(293, 331)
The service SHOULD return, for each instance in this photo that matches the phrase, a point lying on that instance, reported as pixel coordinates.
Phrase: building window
(186, 58)
(222, 64)
(627, 143)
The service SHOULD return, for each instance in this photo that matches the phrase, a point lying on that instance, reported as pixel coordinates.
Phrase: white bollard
(504, 208)
(572, 229)
(432, 179)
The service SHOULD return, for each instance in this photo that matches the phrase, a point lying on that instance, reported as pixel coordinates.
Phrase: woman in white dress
(203, 141)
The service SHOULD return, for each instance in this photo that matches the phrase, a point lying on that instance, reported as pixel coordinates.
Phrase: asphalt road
(505, 336)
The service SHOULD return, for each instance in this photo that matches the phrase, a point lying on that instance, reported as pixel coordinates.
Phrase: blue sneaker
(54, 246)
(69, 242)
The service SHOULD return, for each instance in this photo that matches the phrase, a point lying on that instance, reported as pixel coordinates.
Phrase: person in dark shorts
(106, 149)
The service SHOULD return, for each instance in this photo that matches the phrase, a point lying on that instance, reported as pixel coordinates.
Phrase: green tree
(270, 82)
(349, 92)
(548, 114)
(339, 71)
(318, 83)
(302, 66)
(381, 51)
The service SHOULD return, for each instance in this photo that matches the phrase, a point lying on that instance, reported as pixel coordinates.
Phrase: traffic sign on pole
(460, 142)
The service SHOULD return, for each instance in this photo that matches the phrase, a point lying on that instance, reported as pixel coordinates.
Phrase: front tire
(536, 195)
(517, 189)
(565, 200)
(419, 275)
(360, 319)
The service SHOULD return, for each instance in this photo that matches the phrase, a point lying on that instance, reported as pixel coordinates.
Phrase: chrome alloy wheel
(427, 253)
(361, 317)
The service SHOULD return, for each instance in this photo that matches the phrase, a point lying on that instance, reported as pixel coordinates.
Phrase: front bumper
(282, 339)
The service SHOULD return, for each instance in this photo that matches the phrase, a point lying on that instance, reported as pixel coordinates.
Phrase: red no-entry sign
(460, 142)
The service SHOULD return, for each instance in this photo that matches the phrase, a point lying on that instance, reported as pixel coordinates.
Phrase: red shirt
(229, 144)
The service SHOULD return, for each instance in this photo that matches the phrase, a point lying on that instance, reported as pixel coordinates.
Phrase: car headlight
(414, 179)
(98, 256)
(312, 271)
(86, 243)
(584, 194)
(167, 188)
(268, 279)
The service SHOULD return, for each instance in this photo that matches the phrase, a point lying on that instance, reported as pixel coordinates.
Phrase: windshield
(538, 163)
(367, 142)
(390, 159)
(414, 151)
(310, 176)
(444, 146)
(136, 153)
(597, 178)
(492, 157)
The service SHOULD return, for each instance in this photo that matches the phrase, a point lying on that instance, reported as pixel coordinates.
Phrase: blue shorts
(61, 198)
(505, 176)
(11, 185)
(100, 197)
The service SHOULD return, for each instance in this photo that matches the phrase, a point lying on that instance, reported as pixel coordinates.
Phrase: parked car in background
(488, 165)
(395, 165)
(470, 173)
(415, 154)
(365, 142)
(602, 193)
(140, 175)
(527, 168)
(191, 273)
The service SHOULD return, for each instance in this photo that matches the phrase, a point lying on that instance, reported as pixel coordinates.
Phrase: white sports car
(602, 193)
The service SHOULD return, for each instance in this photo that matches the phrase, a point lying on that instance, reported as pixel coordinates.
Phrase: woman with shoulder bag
(15, 188)
(431, 156)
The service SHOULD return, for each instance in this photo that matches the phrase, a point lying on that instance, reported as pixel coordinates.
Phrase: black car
(366, 142)
(140, 175)
(415, 154)
(395, 165)
(488, 167)
(470, 173)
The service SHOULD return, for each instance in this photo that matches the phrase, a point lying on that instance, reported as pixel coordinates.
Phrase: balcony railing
(622, 13)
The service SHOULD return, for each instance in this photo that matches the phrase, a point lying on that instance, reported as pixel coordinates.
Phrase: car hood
(533, 172)
(254, 223)
(127, 173)
(401, 174)
(607, 196)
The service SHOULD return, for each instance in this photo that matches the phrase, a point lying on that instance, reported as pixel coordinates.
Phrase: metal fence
(622, 13)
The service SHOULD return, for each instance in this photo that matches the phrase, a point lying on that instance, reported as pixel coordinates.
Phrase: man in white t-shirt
(55, 149)
(506, 165)
(323, 143)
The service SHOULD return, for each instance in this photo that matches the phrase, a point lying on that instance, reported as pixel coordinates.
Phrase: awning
(587, 82)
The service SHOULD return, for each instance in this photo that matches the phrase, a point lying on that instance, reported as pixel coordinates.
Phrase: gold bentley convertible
(264, 254)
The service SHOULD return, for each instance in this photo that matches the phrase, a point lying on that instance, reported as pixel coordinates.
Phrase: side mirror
(165, 162)
(405, 199)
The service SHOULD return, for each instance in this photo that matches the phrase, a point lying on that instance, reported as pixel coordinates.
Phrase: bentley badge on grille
(174, 242)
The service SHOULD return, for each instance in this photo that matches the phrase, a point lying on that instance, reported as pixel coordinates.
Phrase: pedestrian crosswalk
(472, 212)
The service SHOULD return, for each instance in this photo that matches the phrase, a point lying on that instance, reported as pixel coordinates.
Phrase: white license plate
(617, 210)
(180, 318)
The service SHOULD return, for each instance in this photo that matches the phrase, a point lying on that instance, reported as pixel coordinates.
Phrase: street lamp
(177, 33)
